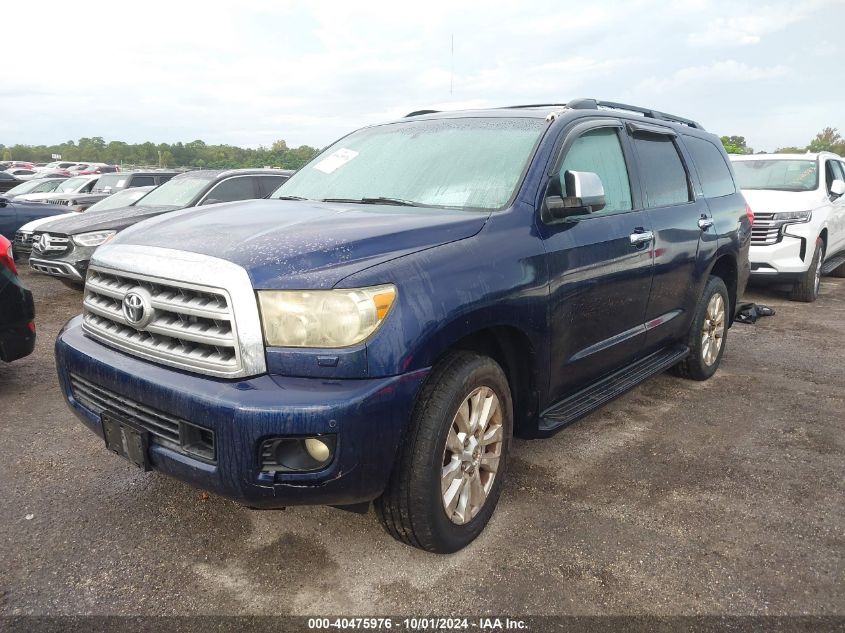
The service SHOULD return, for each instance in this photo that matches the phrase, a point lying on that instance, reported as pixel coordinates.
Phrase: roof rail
(420, 113)
(593, 104)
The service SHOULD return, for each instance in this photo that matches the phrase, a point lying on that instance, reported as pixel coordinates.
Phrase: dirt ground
(724, 497)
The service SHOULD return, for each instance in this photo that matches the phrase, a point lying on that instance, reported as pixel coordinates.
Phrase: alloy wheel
(713, 329)
(472, 454)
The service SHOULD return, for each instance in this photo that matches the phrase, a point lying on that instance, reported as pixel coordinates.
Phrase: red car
(17, 310)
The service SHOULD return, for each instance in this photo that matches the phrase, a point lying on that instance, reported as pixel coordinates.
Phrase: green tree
(828, 140)
(7, 155)
(736, 145)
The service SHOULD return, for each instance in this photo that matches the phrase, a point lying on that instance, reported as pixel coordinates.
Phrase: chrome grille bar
(192, 328)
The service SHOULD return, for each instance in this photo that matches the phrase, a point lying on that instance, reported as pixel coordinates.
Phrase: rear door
(599, 265)
(680, 220)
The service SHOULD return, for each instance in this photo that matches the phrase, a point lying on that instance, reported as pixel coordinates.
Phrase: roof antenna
(452, 68)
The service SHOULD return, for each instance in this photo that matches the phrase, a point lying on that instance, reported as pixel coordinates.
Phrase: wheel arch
(513, 350)
(725, 267)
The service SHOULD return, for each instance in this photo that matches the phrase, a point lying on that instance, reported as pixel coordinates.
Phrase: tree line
(199, 154)
(194, 154)
(828, 140)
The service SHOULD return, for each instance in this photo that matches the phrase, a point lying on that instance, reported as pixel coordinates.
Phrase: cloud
(704, 77)
(746, 29)
(252, 73)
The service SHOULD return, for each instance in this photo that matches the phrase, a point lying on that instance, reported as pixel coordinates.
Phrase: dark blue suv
(383, 324)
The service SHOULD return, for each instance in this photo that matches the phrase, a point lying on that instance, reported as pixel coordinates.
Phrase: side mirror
(3, 202)
(584, 193)
(837, 188)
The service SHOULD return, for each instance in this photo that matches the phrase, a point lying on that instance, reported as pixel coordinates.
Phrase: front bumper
(71, 264)
(788, 259)
(368, 416)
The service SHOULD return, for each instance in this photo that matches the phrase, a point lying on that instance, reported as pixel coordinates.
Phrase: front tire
(807, 289)
(450, 470)
(708, 333)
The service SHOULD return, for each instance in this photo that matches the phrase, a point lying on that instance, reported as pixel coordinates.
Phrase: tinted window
(231, 189)
(600, 152)
(663, 173)
(716, 179)
(162, 179)
(142, 181)
(268, 184)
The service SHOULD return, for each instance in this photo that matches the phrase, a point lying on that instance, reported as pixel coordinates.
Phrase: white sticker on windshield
(120, 182)
(336, 160)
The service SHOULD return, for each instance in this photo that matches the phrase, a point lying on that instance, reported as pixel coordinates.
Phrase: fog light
(318, 449)
(292, 454)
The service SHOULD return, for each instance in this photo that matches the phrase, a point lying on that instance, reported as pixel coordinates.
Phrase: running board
(608, 388)
(833, 263)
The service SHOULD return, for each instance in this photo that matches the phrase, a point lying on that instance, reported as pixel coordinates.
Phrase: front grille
(63, 202)
(191, 328)
(50, 243)
(166, 430)
(764, 231)
(23, 243)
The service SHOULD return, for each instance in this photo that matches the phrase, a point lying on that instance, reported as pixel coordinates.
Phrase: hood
(304, 244)
(768, 201)
(108, 220)
(31, 226)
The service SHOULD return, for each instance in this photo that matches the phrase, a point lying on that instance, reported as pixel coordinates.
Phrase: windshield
(777, 174)
(110, 182)
(124, 198)
(177, 192)
(71, 184)
(469, 163)
(46, 186)
(25, 187)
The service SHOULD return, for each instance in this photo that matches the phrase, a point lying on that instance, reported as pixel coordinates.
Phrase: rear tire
(446, 483)
(807, 289)
(708, 333)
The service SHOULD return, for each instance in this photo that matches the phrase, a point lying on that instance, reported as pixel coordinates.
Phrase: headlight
(792, 217)
(95, 238)
(323, 318)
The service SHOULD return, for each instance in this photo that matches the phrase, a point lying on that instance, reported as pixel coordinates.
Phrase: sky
(249, 73)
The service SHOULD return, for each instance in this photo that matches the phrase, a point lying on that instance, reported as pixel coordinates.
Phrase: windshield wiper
(375, 200)
(291, 198)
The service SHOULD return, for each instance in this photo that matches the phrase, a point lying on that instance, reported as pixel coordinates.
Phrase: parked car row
(379, 325)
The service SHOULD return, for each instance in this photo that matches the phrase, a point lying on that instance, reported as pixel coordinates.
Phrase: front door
(600, 266)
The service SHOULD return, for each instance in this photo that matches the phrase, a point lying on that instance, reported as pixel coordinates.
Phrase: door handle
(639, 238)
(705, 223)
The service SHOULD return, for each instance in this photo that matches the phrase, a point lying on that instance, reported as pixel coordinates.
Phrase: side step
(612, 386)
(834, 262)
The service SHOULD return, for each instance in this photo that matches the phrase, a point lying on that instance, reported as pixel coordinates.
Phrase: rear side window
(268, 184)
(716, 179)
(162, 179)
(142, 181)
(600, 152)
(663, 173)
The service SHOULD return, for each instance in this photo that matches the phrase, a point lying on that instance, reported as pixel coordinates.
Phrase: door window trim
(569, 137)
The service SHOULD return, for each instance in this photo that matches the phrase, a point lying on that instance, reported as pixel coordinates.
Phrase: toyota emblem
(137, 308)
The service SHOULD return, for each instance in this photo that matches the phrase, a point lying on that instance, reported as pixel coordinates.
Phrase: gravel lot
(722, 497)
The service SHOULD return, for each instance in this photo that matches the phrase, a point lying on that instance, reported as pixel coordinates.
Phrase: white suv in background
(798, 202)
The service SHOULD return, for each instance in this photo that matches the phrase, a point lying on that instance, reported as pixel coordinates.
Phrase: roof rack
(593, 104)
(420, 113)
